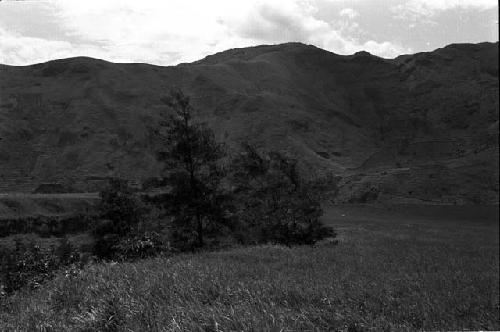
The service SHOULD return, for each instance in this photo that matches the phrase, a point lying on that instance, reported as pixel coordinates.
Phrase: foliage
(121, 211)
(140, 246)
(275, 202)
(120, 207)
(196, 202)
(27, 265)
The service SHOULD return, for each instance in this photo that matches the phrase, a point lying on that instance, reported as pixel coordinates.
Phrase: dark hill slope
(418, 128)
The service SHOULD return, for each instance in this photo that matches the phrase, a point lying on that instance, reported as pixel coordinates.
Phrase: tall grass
(379, 278)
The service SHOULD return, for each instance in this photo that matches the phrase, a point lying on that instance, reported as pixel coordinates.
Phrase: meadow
(393, 269)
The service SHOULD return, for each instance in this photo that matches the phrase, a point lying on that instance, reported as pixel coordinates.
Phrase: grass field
(407, 268)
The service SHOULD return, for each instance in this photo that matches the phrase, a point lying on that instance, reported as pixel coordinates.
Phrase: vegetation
(274, 204)
(28, 265)
(196, 201)
(388, 275)
(383, 276)
(45, 226)
(120, 212)
(261, 199)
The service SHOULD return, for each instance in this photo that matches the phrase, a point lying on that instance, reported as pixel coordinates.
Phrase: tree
(274, 202)
(192, 159)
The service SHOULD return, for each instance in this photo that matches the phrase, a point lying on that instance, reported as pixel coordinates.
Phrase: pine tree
(192, 165)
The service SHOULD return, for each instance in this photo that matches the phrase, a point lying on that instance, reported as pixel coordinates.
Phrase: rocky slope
(418, 128)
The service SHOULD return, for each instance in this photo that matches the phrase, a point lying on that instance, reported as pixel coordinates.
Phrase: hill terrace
(337, 114)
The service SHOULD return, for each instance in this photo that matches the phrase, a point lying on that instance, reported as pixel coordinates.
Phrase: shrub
(120, 213)
(27, 265)
(274, 202)
(121, 207)
(140, 246)
(123, 232)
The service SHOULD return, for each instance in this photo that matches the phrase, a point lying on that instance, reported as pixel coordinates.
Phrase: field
(393, 269)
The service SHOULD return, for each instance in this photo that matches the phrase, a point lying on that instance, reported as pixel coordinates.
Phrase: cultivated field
(404, 268)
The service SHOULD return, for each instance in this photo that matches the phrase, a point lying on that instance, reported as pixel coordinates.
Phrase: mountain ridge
(357, 116)
(269, 46)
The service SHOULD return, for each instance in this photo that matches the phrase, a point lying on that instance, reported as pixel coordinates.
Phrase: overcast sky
(168, 32)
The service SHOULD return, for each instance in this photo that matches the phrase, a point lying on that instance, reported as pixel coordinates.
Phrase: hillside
(418, 128)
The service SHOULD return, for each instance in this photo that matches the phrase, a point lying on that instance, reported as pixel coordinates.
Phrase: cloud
(169, 32)
(384, 49)
(282, 21)
(449, 4)
(155, 31)
(147, 31)
(349, 13)
(276, 21)
(335, 42)
(20, 50)
(414, 10)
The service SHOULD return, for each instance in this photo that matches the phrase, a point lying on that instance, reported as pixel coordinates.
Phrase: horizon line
(249, 47)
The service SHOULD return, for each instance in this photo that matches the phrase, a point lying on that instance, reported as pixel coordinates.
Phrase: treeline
(205, 199)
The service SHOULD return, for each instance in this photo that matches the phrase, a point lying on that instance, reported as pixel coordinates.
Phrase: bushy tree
(275, 204)
(120, 213)
(192, 158)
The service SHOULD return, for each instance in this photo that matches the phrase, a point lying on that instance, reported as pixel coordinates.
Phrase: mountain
(420, 128)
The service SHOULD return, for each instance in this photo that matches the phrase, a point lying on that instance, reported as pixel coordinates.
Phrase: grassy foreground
(385, 274)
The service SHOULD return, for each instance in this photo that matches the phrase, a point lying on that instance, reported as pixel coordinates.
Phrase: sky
(168, 32)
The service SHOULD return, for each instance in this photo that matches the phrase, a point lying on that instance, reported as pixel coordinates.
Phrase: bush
(140, 246)
(27, 265)
(120, 213)
(274, 202)
(121, 207)
(120, 233)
